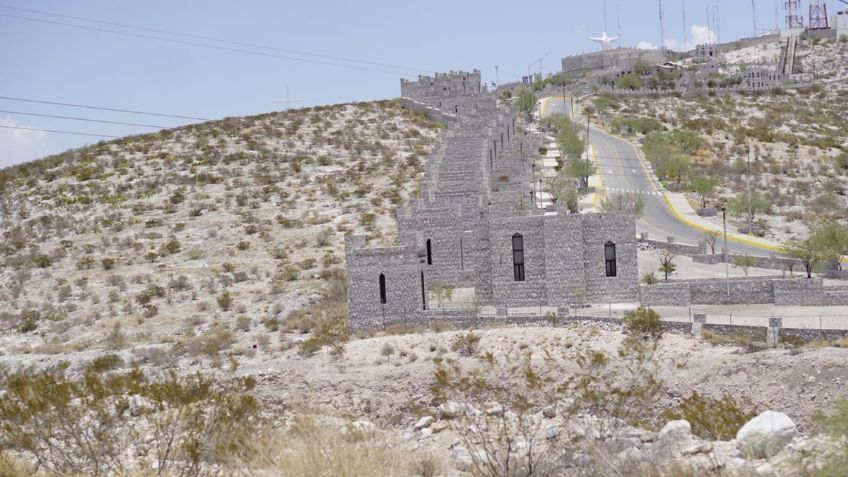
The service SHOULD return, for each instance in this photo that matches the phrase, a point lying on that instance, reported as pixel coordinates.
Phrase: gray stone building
(475, 228)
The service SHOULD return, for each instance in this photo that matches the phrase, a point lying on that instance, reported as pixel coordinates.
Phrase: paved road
(622, 170)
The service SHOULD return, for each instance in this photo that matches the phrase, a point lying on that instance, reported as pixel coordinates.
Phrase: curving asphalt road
(622, 169)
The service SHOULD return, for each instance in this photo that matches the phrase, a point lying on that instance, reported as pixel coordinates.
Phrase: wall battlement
(474, 226)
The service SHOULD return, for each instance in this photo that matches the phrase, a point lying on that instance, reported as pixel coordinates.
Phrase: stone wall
(665, 294)
(615, 58)
(475, 197)
(799, 292)
(742, 292)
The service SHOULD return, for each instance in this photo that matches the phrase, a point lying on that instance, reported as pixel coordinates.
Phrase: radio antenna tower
(685, 39)
(662, 27)
(793, 14)
(754, 9)
(818, 15)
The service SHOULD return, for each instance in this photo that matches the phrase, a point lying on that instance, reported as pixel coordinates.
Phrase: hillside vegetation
(197, 236)
(797, 139)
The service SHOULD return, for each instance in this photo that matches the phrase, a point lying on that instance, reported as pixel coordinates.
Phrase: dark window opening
(609, 257)
(382, 289)
(423, 295)
(518, 257)
(429, 252)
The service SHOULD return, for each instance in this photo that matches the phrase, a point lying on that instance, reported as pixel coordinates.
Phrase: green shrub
(711, 419)
(42, 261)
(170, 247)
(27, 324)
(643, 321)
(650, 278)
(243, 245)
(108, 263)
(104, 363)
(225, 301)
(466, 344)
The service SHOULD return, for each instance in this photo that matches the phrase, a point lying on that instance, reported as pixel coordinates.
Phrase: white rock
(426, 432)
(766, 434)
(451, 409)
(549, 412)
(552, 432)
(764, 469)
(676, 431)
(462, 458)
(493, 409)
(366, 427)
(136, 405)
(423, 422)
(700, 448)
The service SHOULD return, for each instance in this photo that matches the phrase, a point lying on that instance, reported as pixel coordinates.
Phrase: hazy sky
(48, 61)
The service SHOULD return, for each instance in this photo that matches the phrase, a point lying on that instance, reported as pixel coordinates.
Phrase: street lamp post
(726, 264)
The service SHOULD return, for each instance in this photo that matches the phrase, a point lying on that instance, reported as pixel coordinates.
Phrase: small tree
(806, 251)
(442, 292)
(525, 100)
(667, 265)
(710, 238)
(744, 262)
(562, 187)
(704, 186)
(631, 82)
(759, 205)
(581, 170)
(624, 203)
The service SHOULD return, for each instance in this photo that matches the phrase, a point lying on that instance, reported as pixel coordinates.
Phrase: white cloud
(698, 35)
(646, 45)
(20, 145)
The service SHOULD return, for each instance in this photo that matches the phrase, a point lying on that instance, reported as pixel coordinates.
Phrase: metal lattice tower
(818, 15)
(793, 14)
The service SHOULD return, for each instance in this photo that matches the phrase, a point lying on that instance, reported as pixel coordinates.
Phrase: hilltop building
(475, 228)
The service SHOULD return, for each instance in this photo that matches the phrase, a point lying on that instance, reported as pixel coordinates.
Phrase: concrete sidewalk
(795, 317)
(684, 212)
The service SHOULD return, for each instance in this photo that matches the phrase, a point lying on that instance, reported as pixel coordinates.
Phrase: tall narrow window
(429, 252)
(423, 295)
(382, 289)
(609, 256)
(518, 257)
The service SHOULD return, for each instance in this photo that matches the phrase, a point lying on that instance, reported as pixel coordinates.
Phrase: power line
(58, 132)
(55, 103)
(202, 45)
(84, 119)
(217, 40)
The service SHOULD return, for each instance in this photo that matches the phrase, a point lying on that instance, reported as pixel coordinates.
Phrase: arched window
(609, 257)
(382, 289)
(518, 257)
(429, 252)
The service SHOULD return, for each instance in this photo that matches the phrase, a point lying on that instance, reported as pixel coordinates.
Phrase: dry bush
(310, 449)
(85, 425)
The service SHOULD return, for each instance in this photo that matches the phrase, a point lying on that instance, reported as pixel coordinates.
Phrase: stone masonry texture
(475, 197)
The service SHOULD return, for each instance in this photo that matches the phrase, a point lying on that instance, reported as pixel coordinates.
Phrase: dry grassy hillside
(198, 235)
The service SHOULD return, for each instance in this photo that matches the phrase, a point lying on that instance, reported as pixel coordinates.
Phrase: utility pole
(726, 264)
(497, 78)
(750, 212)
(685, 38)
(588, 164)
(288, 101)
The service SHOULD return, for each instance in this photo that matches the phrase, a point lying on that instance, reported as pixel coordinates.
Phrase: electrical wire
(58, 132)
(71, 105)
(218, 40)
(84, 119)
(201, 45)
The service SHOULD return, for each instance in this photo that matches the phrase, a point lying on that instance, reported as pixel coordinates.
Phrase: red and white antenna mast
(818, 15)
